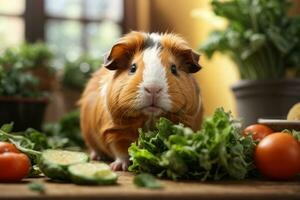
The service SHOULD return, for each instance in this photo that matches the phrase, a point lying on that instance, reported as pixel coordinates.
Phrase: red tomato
(277, 156)
(258, 131)
(14, 166)
(8, 147)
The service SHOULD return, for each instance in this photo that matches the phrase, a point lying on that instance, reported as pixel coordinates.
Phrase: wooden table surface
(125, 190)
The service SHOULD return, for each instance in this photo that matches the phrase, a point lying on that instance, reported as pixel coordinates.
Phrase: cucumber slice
(54, 163)
(94, 173)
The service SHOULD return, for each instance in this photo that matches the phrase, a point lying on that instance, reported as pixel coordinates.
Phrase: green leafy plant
(16, 82)
(16, 69)
(27, 56)
(217, 151)
(261, 37)
(77, 73)
(66, 132)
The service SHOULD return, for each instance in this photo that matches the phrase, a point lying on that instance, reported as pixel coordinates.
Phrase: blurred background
(67, 39)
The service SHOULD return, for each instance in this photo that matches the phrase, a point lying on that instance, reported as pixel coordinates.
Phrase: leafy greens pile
(215, 152)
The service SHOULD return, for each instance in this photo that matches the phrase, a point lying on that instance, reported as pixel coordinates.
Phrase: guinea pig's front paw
(94, 155)
(120, 164)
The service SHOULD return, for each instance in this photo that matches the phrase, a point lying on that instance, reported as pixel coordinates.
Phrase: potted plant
(264, 42)
(25, 74)
(36, 59)
(75, 75)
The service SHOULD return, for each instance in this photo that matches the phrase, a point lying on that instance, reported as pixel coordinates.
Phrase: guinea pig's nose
(153, 90)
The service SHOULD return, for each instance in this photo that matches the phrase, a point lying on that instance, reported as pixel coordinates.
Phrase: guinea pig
(144, 76)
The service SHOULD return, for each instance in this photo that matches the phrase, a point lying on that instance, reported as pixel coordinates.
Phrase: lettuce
(215, 152)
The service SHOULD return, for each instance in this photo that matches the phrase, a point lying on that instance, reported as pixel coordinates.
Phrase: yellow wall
(216, 75)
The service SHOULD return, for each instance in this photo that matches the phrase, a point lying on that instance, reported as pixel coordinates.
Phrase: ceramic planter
(265, 99)
(24, 112)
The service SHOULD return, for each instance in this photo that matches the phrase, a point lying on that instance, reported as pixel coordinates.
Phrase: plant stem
(12, 139)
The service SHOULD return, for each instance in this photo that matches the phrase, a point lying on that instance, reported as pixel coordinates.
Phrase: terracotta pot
(71, 97)
(46, 78)
(265, 99)
(24, 112)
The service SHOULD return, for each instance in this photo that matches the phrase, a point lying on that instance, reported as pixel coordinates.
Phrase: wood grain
(125, 190)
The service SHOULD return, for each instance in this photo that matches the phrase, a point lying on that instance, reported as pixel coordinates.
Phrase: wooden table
(125, 190)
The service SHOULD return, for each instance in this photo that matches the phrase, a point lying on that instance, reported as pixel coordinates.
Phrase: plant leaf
(146, 181)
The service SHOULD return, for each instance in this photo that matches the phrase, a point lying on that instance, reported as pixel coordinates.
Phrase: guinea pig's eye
(132, 69)
(174, 69)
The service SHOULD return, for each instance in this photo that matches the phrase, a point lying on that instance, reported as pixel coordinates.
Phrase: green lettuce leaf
(174, 151)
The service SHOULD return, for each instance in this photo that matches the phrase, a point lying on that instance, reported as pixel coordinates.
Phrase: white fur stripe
(154, 75)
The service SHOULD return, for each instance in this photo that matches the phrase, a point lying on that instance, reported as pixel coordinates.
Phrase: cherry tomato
(258, 131)
(8, 147)
(14, 166)
(277, 156)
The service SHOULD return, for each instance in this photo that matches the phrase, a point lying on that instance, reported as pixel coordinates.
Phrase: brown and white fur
(144, 76)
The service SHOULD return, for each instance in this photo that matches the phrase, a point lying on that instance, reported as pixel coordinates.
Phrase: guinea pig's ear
(190, 59)
(116, 57)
